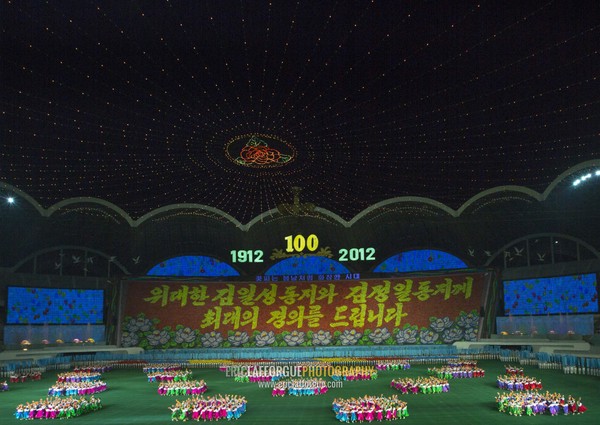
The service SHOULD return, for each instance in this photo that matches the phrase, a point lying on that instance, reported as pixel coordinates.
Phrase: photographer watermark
(313, 386)
(304, 371)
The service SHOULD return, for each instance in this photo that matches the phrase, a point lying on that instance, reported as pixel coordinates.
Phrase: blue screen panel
(551, 295)
(420, 260)
(38, 306)
(193, 265)
(306, 265)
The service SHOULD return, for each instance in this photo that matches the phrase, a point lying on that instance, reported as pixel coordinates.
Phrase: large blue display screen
(38, 306)
(193, 265)
(306, 265)
(551, 295)
(420, 260)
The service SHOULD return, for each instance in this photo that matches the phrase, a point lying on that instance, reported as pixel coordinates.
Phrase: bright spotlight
(10, 200)
(586, 177)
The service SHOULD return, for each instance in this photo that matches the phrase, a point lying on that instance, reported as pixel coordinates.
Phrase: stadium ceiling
(234, 105)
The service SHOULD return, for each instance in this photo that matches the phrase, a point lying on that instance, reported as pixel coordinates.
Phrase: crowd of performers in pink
(17, 376)
(182, 388)
(533, 403)
(355, 373)
(99, 368)
(161, 367)
(369, 409)
(514, 370)
(300, 387)
(457, 369)
(462, 363)
(421, 384)
(57, 408)
(216, 408)
(76, 388)
(79, 377)
(170, 376)
(518, 383)
(392, 364)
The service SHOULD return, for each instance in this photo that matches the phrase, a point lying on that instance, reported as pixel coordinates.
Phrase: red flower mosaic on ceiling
(262, 151)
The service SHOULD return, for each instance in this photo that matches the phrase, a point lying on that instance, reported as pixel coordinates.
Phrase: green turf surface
(130, 399)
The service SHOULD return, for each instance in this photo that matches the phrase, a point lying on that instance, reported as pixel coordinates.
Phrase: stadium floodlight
(585, 177)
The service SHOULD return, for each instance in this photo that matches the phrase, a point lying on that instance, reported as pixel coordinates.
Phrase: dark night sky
(144, 103)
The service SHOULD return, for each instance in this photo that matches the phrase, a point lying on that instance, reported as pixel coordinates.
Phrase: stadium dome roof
(144, 105)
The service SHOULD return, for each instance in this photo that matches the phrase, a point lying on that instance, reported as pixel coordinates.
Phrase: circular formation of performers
(456, 372)
(67, 396)
(209, 409)
(76, 388)
(182, 388)
(300, 387)
(514, 370)
(392, 365)
(79, 377)
(518, 383)
(57, 408)
(421, 384)
(25, 376)
(534, 403)
(170, 376)
(462, 363)
(98, 368)
(369, 409)
(161, 367)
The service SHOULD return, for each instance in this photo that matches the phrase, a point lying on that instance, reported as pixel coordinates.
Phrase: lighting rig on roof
(586, 177)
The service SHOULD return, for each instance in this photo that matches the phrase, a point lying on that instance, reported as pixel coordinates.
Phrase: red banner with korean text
(310, 306)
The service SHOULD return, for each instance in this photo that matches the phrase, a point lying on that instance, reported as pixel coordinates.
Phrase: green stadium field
(131, 400)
